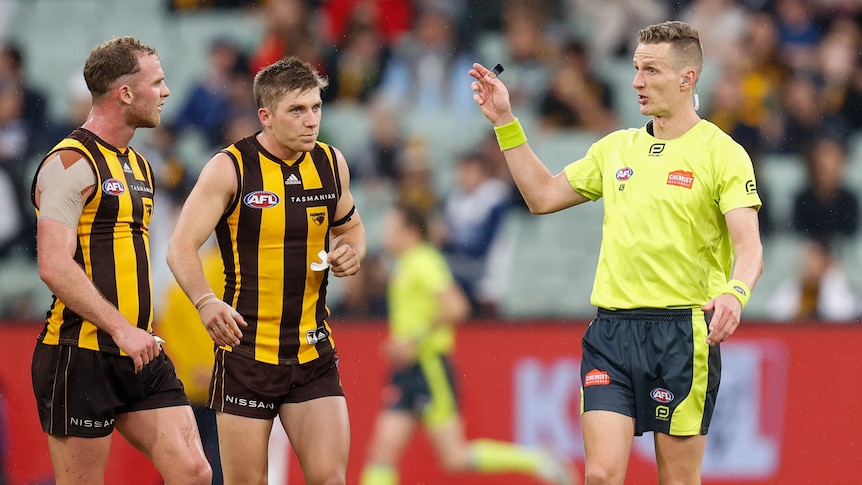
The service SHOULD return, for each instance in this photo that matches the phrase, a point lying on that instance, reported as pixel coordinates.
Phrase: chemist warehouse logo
(113, 187)
(681, 178)
(260, 199)
(597, 377)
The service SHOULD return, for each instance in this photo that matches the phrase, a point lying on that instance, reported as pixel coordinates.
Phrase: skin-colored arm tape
(61, 190)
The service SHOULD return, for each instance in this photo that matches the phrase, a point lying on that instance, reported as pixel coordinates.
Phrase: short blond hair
(684, 41)
(281, 77)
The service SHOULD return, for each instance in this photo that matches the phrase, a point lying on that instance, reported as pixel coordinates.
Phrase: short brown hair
(413, 217)
(683, 38)
(112, 60)
(281, 77)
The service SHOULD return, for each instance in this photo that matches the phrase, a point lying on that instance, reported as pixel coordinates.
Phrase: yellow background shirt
(420, 274)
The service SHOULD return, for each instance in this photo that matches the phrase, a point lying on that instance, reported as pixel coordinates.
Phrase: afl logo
(661, 395)
(624, 174)
(260, 199)
(113, 187)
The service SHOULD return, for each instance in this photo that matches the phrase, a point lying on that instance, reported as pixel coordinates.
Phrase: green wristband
(738, 289)
(510, 135)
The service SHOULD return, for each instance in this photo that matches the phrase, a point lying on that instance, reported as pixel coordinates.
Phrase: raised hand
(491, 95)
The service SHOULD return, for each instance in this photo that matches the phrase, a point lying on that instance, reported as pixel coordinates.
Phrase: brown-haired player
(680, 253)
(97, 366)
(280, 205)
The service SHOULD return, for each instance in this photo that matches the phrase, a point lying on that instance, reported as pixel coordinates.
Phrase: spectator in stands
(720, 22)
(23, 129)
(727, 111)
(377, 160)
(489, 149)
(288, 31)
(34, 106)
(802, 114)
(610, 22)
(826, 209)
(473, 215)
(426, 67)
(10, 223)
(356, 63)
(390, 19)
(77, 109)
(841, 73)
(798, 34)
(820, 291)
(530, 50)
(758, 75)
(414, 185)
(207, 104)
(16, 148)
(576, 98)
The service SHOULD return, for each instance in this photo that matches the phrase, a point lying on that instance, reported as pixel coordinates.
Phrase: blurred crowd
(783, 77)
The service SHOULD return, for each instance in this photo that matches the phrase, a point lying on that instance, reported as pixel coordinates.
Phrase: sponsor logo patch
(750, 187)
(624, 174)
(114, 187)
(260, 199)
(655, 149)
(316, 335)
(318, 217)
(597, 377)
(680, 178)
(662, 395)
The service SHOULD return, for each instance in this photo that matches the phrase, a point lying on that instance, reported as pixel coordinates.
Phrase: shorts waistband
(650, 314)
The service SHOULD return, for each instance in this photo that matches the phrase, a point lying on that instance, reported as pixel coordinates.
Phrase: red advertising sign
(787, 410)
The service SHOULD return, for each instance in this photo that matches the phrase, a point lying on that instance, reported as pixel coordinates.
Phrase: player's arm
(348, 233)
(453, 307)
(542, 191)
(214, 190)
(743, 227)
(63, 183)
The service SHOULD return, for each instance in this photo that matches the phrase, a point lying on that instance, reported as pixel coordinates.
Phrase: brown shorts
(246, 387)
(79, 392)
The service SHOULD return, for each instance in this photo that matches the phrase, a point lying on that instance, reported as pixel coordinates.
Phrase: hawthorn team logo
(113, 187)
(318, 217)
(261, 199)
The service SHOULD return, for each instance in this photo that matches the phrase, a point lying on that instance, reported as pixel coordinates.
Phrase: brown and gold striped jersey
(113, 242)
(271, 233)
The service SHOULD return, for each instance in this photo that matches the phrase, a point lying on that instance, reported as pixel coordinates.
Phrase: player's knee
(201, 473)
(453, 463)
(601, 475)
(329, 478)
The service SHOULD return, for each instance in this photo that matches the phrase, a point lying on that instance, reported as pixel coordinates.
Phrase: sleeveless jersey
(113, 242)
(273, 230)
(665, 242)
